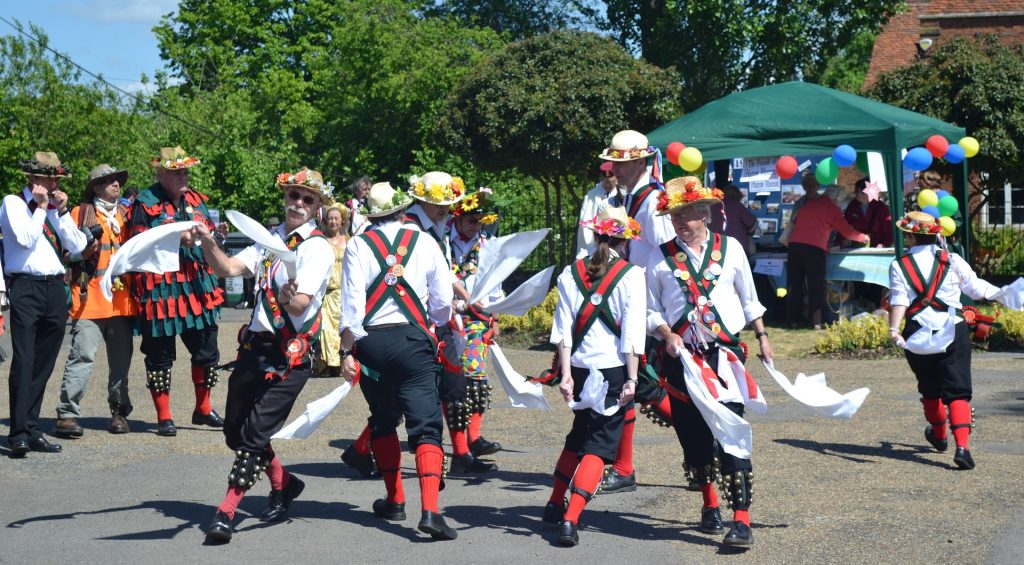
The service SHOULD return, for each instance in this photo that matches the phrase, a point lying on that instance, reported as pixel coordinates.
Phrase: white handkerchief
(528, 295)
(1011, 295)
(314, 415)
(595, 390)
(813, 392)
(732, 432)
(521, 392)
(152, 251)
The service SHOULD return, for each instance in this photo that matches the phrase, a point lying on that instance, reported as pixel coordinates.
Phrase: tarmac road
(867, 490)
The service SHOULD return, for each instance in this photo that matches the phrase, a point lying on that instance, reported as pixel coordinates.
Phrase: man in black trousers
(37, 230)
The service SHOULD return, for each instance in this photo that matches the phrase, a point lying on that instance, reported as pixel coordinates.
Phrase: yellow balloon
(970, 146)
(927, 197)
(690, 159)
(781, 292)
(948, 226)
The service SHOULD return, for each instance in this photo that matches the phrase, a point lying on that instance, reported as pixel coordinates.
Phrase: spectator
(868, 214)
(810, 184)
(734, 219)
(360, 188)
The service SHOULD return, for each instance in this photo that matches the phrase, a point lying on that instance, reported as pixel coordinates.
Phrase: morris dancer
(599, 332)
(185, 303)
(395, 284)
(277, 349)
(700, 295)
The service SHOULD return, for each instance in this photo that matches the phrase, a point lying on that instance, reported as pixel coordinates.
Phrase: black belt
(44, 278)
(380, 327)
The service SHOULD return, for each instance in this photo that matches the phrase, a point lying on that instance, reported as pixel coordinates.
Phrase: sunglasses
(608, 175)
(307, 199)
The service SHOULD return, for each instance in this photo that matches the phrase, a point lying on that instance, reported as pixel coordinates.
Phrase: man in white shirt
(593, 202)
(278, 347)
(395, 285)
(37, 230)
(360, 188)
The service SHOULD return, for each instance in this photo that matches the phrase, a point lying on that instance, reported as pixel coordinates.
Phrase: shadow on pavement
(850, 452)
(189, 514)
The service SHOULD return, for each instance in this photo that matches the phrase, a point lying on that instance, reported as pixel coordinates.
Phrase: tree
(846, 71)
(547, 106)
(516, 19)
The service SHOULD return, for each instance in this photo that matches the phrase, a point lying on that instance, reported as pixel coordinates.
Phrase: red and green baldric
(48, 230)
(926, 289)
(698, 284)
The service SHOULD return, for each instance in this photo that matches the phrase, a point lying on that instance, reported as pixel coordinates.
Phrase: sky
(109, 37)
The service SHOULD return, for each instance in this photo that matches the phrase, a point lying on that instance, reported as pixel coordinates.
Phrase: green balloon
(827, 171)
(862, 162)
(948, 205)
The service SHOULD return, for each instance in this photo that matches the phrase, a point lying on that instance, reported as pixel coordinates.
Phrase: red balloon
(786, 167)
(937, 146)
(673, 150)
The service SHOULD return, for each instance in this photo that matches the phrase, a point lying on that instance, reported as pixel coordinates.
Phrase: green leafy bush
(533, 327)
(1010, 332)
(867, 336)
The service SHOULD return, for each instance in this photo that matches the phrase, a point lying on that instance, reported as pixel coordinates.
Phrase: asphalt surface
(865, 490)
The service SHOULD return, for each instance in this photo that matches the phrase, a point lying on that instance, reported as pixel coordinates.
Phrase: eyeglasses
(296, 196)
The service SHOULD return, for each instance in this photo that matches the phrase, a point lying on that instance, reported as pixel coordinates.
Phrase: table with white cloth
(869, 265)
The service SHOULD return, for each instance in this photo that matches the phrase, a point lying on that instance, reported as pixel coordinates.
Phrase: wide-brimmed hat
(174, 158)
(438, 188)
(104, 172)
(681, 192)
(383, 200)
(309, 179)
(481, 202)
(614, 222)
(919, 222)
(44, 164)
(628, 145)
(345, 212)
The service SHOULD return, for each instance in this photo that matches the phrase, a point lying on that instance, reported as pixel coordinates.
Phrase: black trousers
(39, 314)
(805, 265)
(944, 375)
(593, 433)
(407, 386)
(257, 408)
(201, 344)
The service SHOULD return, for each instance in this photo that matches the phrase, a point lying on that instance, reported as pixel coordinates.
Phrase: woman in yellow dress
(334, 228)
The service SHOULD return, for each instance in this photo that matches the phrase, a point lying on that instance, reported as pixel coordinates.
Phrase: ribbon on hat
(656, 169)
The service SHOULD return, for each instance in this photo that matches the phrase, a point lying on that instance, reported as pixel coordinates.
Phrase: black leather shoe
(483, 447)
(212, 419)
(220, 529)
(40, 444)
(615, 482)
(19, 448)
(362, 463)
(433, 523)
(711, 521)
(963, 458)
(166, 428)
(470, 463)
(940, 445)
(391, 511)
(280, 500)
(567, 534)
(554, 513)
(740, 536)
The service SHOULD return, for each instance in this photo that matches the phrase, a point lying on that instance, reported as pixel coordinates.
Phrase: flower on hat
(307, 178)
(614, 227)
(685, 191)
(480, 202)
(437, 192)
(919, 222)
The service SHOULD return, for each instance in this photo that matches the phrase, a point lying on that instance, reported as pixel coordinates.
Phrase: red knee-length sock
(742, 516)
(428, 467)
(278, 475)
(362, 443)
(624, 456)
(389, 461)
(460, 445)
(566, 465)
(202, 391)
(588, 476)
(935, 413)
(960, 421)
(162, 402)
(707, 490)
(231, 499)
(663, 408)
(476, 421)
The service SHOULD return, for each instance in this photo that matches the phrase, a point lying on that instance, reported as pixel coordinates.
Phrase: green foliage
(999, 251)
(535, 326)
(868, 335)
(1009, 334)
(516, 19)
(848, 68)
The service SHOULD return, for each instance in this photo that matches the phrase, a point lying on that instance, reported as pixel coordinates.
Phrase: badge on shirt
(278, 322)
(390, 279)
(716, 255)
(596, 299)
(402, 250)
(398, 270)
(685, 275)
(680, 257)
(715, 269)
(391, 260)
(702, 301)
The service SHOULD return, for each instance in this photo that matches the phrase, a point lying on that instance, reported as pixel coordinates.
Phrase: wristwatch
(345, 352)
(759, 335)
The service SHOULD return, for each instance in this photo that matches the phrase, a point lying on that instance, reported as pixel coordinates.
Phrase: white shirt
(960, 278)
(734, 297)
(26, 250)
(432, 230)
(359, 222)
(594, 200)
(654, 229)
(316, 259)
(600, 349)
(425, 272)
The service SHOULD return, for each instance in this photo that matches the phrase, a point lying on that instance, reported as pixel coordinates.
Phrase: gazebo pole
(894, 180)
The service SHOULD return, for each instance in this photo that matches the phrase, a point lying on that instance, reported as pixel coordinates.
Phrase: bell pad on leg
(159, 381)
(248, 468)
(738, 488)
(478, 395)
(459, 413)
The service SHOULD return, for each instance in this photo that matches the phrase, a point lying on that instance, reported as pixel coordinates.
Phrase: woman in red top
(808, 246)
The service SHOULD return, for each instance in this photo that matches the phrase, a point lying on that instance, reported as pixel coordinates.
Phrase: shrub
(1010, 332)
(534, 326)
(866, 336)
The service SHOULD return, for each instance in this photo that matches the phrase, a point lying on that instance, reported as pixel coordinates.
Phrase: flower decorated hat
(174, 158)
(44, 164)
(681, 192)
(613, 221)
(919, 222)
(309, 179)
(628, 145)
(437, 188)
(481, 202)
(383, 200)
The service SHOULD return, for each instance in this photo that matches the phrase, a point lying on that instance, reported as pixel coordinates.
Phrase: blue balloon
(955, 154)
(917, 159)
(844, 155)
(941, 193)
(932, 211)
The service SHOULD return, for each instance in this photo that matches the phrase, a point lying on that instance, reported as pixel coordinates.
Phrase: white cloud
(131, 11)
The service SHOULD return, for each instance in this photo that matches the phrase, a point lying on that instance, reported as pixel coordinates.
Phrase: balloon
(862, 163)
(932, 211)
(786, 167)
(781, 292)
(844, 155)
(936, 145)
(690, 159)
(948, 226)
(673, 150)
(827, 171)
(917, 159)
(970, 146)
(927, 197)
(955, 154)
(948, 206)
(940, 194)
